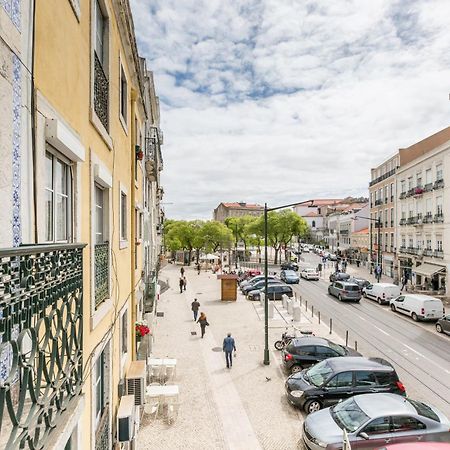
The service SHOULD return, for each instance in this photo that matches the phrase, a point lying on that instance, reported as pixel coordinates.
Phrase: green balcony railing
(41, 338)
(101, 268)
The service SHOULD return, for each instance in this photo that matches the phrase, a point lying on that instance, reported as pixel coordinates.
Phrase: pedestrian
(182, 271)
(184, 283)
(181, 283)
(228, 346)
(195, 305)
(203, 323)
(198, 268)
(404, 282)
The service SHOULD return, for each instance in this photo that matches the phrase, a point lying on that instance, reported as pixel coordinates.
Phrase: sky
(281, 101)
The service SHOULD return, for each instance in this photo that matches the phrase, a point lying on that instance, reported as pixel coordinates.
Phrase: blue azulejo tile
(15, 13)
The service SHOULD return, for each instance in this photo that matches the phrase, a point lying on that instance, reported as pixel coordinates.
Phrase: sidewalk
(241, 408)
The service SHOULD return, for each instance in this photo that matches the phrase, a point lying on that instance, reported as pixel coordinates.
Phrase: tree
(183, 235)
(215, 236)
(241, 229)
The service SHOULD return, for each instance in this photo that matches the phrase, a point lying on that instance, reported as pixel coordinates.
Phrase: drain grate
(193, 333)
(159, 314)
(216, 349)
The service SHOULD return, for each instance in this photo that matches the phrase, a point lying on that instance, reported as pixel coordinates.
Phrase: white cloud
(280, 101)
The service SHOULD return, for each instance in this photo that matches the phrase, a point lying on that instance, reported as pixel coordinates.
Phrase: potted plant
(141, 330)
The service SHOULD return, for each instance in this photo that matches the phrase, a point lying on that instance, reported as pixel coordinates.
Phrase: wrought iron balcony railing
(403, 221)
(402, 249)
(41, 315)
(438, 184)
(102, 441)
(438, 218)
(438, 254)
(101, 92)
(402, 195)
(428, 252)
(428, 218)
(101, 258)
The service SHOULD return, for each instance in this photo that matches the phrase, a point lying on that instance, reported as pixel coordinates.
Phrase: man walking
(228, 347)
(195, 305)
(181, 283)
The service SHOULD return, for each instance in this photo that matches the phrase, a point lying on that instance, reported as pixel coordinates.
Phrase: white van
(381, 292)
(419, 307)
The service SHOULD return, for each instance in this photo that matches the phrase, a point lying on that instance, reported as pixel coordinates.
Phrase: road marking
(428, 359)
(382, 331)
(415, 351)
(362, 318)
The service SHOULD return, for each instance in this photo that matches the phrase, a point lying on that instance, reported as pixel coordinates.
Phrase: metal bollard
(312, 310)
(318, 315)
(356, 345)
(331, 325)
(306, 305)
(346, 338)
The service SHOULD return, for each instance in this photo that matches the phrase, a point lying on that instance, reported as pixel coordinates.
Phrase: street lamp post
(235, 245)
(266, 281)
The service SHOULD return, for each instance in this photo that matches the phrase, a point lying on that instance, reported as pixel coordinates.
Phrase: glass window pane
(48, 215)
(99, 31)
(49, 171)
(61, 217)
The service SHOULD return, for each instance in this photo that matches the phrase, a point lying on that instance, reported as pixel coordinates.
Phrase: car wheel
(380, 302)
(340, 298)
(364, 294)
(312, 406)
(439, 328)
(296, 368)
(414, 317)
(393, 308)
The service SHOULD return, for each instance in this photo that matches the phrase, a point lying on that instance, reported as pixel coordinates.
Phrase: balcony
(403, 221)
(101, 258)
(428, 218)
(101, 92)
(378, 202)
(439, 218)
(382, 177)
(428, 187)
(418, 220)
(418, 191)
(412, 250)
(438, 184)
(402, 249)
(41, 365)
(438, 254)
(427, 252)
(402, 195)
(411, 220)
(410, 192)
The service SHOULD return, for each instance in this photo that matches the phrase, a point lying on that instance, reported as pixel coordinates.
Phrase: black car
(289, 266)
(339, 276)
(259, 285)
(274, 292)
(304, 352)
(361, 282)
(328, 382)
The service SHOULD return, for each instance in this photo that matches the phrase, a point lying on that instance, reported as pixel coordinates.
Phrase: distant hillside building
(236, 209)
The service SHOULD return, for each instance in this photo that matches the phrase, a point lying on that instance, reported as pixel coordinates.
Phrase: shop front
(430, 279)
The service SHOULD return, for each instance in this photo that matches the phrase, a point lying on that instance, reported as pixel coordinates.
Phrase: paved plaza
(241, 408)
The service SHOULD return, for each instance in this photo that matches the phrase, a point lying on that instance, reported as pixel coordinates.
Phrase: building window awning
(428, 270)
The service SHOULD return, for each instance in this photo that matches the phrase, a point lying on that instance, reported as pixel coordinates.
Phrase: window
(307, 350)
(58, 199)
(392, 191)
(439, 174)
(428, 206)
(403, 211)
(406, 423)
(378, 426)
(439, 242)
(392, 240)
(123, 95)
(410, 182)
(428, 179)
(123, 216)
(99, 387)
(403, 186)
(313, 224)
(419, 179)
(100, 27)
(99, 214)
(344, 379)
(124, 333)
(141, 224)
(325, 352)
(403, 241)
(428, 241)
(439, 205)
(411, 242)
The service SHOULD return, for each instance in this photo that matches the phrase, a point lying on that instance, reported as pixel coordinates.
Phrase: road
(420, 355)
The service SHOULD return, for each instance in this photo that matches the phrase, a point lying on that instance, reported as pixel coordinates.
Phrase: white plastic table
(163, 392)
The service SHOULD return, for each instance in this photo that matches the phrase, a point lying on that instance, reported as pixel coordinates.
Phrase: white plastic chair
(172, 412)
(156, 373)
(169, 373)
(151, 408)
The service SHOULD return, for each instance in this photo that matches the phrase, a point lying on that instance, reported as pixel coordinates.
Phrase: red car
(253, 272)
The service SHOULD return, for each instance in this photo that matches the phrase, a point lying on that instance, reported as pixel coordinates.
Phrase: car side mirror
(364, 435)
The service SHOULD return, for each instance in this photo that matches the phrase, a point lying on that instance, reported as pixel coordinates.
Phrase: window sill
(101, 129)
(99, 314)
(123, 244)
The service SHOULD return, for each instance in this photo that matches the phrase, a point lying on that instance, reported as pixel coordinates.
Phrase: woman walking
(203, 323)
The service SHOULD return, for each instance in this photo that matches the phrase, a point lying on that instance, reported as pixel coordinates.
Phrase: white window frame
(123, 80)
(124, 352)
(439, 170)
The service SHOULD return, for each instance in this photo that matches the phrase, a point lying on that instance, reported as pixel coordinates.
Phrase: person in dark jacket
(195, 305)
(228, 347)
(203, 323)
(181, 283)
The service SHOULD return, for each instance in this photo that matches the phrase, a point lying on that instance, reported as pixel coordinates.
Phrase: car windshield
(290, 273)
(319, 373)
(424, 410)
(349, 287)
(348, 415)
(337, 348)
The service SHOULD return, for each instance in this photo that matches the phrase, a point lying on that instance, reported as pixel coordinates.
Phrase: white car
(418, 307)
(309, 274)
(306, 250)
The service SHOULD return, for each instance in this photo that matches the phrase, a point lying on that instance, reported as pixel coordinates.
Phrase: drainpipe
(33, 123)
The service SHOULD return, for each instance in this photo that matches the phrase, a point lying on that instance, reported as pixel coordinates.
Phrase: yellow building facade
(95, 163)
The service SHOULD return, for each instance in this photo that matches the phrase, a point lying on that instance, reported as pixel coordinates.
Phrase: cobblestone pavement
(241, 408)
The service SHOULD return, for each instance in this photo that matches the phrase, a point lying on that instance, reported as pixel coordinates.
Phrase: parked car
(361, 282)
(339, 276)
(289, 277)
(345, 291)
(309, 274)
(254, 280)
(306, 250)
(289, 266)
(372, 420)
(306, 351)
(381, 292)
(274, 291)
(418, 307)
(443, 324)
(259, 285)
(335, 379)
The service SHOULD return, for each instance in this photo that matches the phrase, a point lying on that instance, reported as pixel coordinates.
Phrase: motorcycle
(287, 338)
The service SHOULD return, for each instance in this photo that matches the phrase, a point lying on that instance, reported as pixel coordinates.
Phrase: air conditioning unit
(125, 419)
(135, 381)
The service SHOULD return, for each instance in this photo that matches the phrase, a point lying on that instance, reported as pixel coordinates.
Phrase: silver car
(374, 420)
(345, 291)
